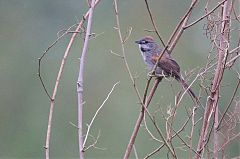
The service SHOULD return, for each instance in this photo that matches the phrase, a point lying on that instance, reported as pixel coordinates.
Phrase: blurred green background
(28, 27)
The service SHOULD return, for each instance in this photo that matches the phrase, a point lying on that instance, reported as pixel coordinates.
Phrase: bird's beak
(138, 42)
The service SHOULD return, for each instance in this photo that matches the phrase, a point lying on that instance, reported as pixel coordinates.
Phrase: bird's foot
(158, 75)
(152, 74)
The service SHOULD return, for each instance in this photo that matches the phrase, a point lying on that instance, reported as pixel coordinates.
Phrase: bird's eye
(144, 42)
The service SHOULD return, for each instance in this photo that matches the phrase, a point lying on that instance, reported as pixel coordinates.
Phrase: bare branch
(212, 105)
(226, 110)
(135, 152)
(154, 152)
(52, 103)
(229, 140)
(96, 113)
(45, 52)
(204, 16)
(94, 144)
(80, 85)
(154, 24)
(116, 54)
(139, 120)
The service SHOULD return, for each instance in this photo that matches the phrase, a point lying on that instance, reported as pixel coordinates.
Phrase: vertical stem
(215, 134)
(80, 82)
(222, 54)
(212, 104)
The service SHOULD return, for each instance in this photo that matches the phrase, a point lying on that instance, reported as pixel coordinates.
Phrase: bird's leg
(152, 73)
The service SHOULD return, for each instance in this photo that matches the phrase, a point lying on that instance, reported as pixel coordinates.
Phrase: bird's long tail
(189, 90)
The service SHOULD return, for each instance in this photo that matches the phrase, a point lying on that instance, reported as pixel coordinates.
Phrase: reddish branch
(212, 104)
(140, 119)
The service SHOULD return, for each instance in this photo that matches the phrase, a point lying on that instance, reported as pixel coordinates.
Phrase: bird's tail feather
(189, 90)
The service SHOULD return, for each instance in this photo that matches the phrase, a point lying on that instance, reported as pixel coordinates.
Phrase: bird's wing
(168, 65)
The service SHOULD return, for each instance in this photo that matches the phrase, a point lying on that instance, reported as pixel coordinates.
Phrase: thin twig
(116, 54)
(123, 50)
(191, 134)
(229, 140)
(94, 144)
(154, 152)
(154, 24)
(149, 132)
(96, 113)
(139, 120)
(164, 140)
(43, 55)
(204, 16)
(181, 129)
(135, 152)
(180, 27)
(231, 100)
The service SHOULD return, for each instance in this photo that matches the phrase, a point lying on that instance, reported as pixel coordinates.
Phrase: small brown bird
(167, 66)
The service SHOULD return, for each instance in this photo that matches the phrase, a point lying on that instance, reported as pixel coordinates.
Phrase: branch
(153, 23)
(139, 121)
(96, 113)
(212, 103)
(93, 145)
(155, 151)
(52, 102)
(229, 140)
(122, 41)
(80, 80)
(44, 54)
(176, 34)
(140, 118)
(234, 94)
(204, 16)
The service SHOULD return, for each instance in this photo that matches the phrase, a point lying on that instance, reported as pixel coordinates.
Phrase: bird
(166, 66)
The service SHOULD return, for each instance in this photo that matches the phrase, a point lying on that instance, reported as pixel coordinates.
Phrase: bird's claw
(152, 74)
